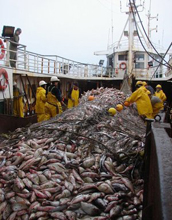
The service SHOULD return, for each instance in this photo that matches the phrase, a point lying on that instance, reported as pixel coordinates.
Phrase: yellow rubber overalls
(75, 97)
(52, 106)
(18, 103)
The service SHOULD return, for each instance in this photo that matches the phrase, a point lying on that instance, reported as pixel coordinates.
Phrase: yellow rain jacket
(40, 104)
(18, 103)
(53, 106)
(75, 97)
(143, 102)
(161, 95)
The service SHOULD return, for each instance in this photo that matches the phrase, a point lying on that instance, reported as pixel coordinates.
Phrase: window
(139, 65)
(139, 61)
(122, 57)
(139, 57)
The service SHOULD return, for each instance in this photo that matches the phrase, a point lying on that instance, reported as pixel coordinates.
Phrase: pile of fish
(82, 164)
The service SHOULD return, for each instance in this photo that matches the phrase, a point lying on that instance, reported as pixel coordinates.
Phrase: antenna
(149, 20)
(112, 20)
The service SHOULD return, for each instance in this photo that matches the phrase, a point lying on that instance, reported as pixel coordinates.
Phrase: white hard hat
(42, 82)
(14, 84)
(54, 79)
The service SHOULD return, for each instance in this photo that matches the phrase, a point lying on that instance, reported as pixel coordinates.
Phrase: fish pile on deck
(82, 164)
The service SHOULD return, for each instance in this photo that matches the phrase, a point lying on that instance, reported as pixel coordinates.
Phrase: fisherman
(14, 42)
(54, 98)
(142, 100)
(41, 100)
(159, 93)
(74, 95)
(149, 88)
(156, 102)
(17, 101)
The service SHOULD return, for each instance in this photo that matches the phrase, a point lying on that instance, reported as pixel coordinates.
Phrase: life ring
(5, 74)
(2, 50)
(122, 65)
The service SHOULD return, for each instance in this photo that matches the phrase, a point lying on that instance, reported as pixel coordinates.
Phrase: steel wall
(158, 170)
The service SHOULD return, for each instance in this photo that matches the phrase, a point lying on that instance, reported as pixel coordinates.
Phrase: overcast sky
(75, 29)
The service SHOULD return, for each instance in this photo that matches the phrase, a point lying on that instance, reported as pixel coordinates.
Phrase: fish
(82, 164)
(90, 209)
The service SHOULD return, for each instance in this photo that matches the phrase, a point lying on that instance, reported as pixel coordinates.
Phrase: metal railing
(52, 64)
(123, 45)
(56, 65)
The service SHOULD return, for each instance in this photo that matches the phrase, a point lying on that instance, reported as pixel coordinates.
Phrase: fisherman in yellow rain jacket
(142, 100)
(157, 104)
(54, 98)
(159, 93)
(41, 101)
(17, 101)
(73, 96)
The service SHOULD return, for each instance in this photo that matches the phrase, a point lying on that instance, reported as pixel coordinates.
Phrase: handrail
(53, 64)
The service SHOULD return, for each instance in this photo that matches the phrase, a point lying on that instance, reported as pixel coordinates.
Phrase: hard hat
(90, 98)
(139, 83)
(126, 103)
(54, 79)
(112, 111)
(42, 82)
(119, 107)
(148, 92)
(144, 83)
(14, 84)
(159, 86)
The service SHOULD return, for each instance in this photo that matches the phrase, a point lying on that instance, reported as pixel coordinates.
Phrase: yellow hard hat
(148, 92)
(159, 86)
(139, 83)
(112, 111)
(144, 83)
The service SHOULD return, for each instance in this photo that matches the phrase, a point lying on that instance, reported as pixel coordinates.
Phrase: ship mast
(130, 39)
(149, 20)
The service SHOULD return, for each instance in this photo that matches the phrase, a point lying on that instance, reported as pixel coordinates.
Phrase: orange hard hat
(126, 103)
(119, 107)
(90, 98)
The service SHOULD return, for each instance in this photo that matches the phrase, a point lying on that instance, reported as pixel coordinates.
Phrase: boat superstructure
(135, 53)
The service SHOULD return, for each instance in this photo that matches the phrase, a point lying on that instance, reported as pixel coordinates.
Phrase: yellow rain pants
(156, 108)
(40, 104)
(53, 106)
(144, 106)
(75, 97)
(18, 104)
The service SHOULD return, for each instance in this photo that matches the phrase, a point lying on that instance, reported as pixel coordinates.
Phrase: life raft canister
(5, 74)
(2, 50)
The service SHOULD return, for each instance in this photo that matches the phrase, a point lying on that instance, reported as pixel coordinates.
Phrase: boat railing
(62, 67)
(123, 45)
(52, 64)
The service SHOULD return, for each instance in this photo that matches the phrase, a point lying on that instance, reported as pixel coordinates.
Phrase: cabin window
(139, 61)
(122, 57)
(140, 57)
(139, 65)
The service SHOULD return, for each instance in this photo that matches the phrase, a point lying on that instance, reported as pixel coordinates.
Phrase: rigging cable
(162, 59)
(141, 40)
(148, 37)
